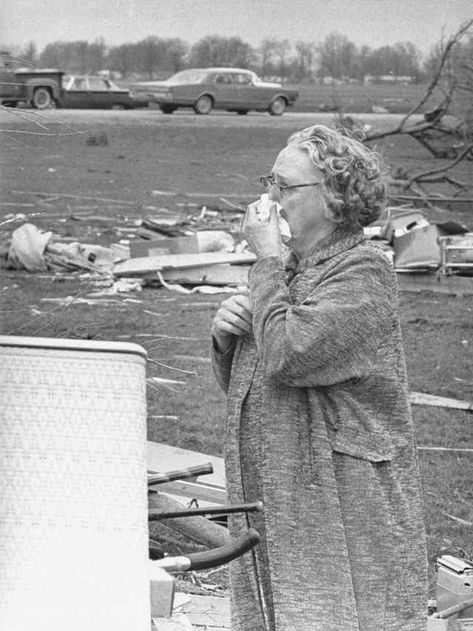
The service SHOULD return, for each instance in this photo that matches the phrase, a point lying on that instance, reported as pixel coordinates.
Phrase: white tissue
(263, 206)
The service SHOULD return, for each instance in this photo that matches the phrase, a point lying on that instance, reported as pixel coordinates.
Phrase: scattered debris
(124, 285)
(199, 249)
(446, 449)
(166, 381)
(420, 398)
(203, 289)
(463, 522)
(75, 300)
(153, 264)
(37, 251)
(97, 139)
(421, 282)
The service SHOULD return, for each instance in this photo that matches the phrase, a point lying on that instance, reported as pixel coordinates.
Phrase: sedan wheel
(277, 107)
(203, 105)
(42, 99)
(242, 112)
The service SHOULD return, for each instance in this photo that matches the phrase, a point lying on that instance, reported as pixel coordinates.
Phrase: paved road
(28, 118)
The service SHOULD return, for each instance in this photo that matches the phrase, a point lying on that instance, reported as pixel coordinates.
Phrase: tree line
(336, 57)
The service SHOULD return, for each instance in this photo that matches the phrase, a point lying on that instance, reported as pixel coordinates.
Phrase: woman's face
(303, 208)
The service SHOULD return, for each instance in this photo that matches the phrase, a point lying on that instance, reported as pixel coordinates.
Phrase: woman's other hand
(263, 237)
(233, 318)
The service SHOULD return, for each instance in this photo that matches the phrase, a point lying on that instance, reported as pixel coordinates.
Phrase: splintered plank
(209, 488)
(420, 398)
(223, 274)
(147, 264)
(208, 612)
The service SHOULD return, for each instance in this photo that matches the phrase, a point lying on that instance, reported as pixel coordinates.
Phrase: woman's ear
(328, 213)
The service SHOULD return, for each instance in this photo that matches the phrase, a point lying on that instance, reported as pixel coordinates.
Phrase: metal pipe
(156, 515)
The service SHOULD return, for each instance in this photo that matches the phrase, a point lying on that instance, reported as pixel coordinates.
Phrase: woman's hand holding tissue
(261, 229)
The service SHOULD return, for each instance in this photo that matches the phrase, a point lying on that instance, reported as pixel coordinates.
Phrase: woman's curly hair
(353, 174)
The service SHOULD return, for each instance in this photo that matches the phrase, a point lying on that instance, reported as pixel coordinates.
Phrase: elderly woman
(319, 426)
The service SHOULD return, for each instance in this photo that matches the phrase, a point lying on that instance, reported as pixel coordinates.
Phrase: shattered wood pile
(194, 244)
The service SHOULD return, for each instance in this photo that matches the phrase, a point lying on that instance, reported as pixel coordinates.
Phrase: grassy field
(358, 98)
(219, 153)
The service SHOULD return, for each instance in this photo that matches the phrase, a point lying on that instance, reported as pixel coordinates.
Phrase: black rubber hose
(224, 554)
(211, 558)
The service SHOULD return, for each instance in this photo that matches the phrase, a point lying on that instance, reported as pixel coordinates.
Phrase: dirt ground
(92, 176)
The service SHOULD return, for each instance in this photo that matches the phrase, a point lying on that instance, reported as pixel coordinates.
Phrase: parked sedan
(95, 92)
(204, 89)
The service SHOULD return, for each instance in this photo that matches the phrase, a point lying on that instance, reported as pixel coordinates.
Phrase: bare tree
(266, 53)
(214, 50)
(337, 56)
(282, 50)
(122, 58)
(30, 54)
(274, 54)
(305, 60)
(443, 83)
(441, 133)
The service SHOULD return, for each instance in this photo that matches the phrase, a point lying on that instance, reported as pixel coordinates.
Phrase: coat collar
(335, 243)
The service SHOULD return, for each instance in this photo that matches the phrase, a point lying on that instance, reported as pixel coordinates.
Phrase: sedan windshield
(187, 76)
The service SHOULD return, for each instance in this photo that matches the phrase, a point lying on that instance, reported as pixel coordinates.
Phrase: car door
(101, 95)
(77, 93)
(245, 97)
(223, 89)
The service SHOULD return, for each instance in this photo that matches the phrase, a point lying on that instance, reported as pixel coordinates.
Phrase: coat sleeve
(334, 335)
(222, 365)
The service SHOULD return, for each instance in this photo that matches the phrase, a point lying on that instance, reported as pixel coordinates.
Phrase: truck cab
(41, 89)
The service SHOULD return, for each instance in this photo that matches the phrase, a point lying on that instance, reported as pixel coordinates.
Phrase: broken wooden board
(420, 398)
(177, 622)
(453, 285)
(204, 195)
(200, 613)
(208, 612)
(223, 274)
(208, 489)
(147, 264)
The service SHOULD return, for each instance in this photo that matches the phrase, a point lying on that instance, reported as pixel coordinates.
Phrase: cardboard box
(165, 245)
(161, 585)
(419, 248)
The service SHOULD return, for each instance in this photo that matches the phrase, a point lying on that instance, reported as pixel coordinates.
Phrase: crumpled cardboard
(418, 248)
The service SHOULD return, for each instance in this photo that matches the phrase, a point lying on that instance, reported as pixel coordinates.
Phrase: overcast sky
(372, 22)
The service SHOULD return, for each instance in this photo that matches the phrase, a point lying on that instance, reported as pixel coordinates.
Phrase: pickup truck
(41, 89)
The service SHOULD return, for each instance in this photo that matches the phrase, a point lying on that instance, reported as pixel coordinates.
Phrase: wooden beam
(223, 274)
(420, 398)
(147, 264)
(210, 488)
(195, 490)
(446, 449)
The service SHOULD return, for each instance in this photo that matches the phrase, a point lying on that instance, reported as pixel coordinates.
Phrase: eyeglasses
(268, 181)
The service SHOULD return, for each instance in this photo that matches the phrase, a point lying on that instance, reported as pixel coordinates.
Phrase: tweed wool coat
(319, 429)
